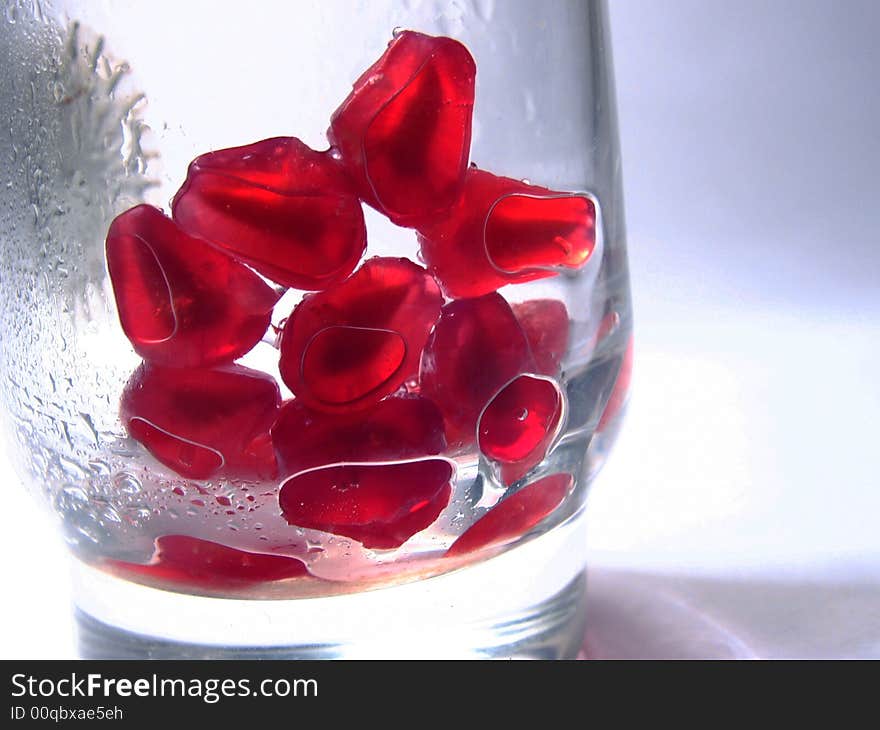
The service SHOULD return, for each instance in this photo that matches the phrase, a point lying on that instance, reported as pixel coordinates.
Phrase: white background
(751, 144)
(752, 159)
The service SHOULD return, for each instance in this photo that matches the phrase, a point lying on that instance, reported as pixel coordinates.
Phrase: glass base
(527, 603)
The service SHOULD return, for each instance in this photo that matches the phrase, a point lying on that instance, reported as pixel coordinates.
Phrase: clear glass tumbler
(316, 322)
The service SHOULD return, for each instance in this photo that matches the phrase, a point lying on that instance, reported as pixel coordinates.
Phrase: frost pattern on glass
(73, 155)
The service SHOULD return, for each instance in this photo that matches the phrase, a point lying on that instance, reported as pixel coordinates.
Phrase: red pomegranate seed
(204, 422)
(519, 425)
(515, 515)
(405, 130)
(344, 348)
(336, 352)
(620, 392)
(476, 347)
(379, 505)
(181, 302)
(190, 561)
(396, 428)
(279, 206)
(504, 231)
(545, 324)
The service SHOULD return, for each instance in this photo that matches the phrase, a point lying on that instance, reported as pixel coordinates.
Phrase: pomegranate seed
(204, 422)
(405, 130)
(476, 347)
(345, 348)
(519, 425)
(191, 561)
(396, 428)
(545, 324)
(182, 303)
(279, 206)
(515, 515)
(504, 231)
(379, 505)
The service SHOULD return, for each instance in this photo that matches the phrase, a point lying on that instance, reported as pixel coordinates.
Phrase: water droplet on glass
(109, 514)
(127, 484)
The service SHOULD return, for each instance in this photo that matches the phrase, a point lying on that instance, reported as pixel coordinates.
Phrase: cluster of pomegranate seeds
(203, 422)
(392, 365)
(282, 208)
(210, 565)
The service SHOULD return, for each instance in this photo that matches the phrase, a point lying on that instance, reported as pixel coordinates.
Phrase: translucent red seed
(286, 210)
(545, 324)
(405, 130)
(515, 515)
(379, 505)
(400, 427)
(476, 347)
(180, 559)
(203, 423)
(345, 348)
(336, 353)
(504, 231)
(181, 302)
(519, 424)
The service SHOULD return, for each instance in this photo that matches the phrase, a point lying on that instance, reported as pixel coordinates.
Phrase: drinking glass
(316, 324)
